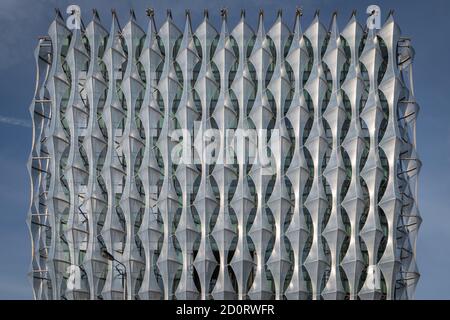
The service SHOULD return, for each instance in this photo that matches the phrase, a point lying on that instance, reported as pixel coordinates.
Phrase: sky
(426, 22)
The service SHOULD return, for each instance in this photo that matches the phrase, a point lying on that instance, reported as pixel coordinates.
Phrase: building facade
(325, 209)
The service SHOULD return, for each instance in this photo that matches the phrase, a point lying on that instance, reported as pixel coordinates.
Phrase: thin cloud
(15, 122)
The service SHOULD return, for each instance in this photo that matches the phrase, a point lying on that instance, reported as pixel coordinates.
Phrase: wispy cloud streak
(15, 122)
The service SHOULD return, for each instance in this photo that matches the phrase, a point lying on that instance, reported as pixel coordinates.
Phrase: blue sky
(426, 22)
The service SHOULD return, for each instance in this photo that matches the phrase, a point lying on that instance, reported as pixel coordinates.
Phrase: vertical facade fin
(187, 173)
(279, 202)
(316, 143)
(298, 171)
(335, 171)
(224, 173)
(205, 200)
(94, 144)
(168, 87)
(354, 145)
(261, 172)
(242, 201)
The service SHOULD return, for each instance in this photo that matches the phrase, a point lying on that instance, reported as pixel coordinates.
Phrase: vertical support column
(279, 201)
(38, 166)
(112, 233)
(56, 143)
(316, 143)
(372, 172)
(94, 204)
(411, 164)
(298, 172)
(76, 171)
(224, 173)
(242, 201)
(353, 144)
(335, 172)
(261, 172)
(149, 172)
(168, 86)
(187, 172)
(205, 200)
(131, 144)
(391, 143)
